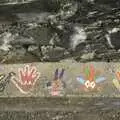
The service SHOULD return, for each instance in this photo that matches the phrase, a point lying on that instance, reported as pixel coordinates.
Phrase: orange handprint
(27, 78)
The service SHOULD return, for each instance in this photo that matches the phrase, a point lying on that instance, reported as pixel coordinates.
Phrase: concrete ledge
(59, 108)
(31, 104)
(66, 78)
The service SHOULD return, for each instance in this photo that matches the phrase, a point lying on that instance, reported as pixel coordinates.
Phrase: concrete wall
(79, 79)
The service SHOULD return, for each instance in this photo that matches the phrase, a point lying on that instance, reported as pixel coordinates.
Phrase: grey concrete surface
(104, 83)
(59, 108)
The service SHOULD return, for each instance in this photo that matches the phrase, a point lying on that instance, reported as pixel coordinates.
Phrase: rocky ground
(56, 30)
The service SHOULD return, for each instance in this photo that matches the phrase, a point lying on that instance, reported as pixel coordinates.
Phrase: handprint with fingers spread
(27, 78)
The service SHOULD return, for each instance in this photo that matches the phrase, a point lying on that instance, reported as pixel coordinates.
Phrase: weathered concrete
(59, 109)
(105, 77)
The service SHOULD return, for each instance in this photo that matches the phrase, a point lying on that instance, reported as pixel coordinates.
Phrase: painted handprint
(27, 79)
(90, 80)
(116, 81)
(57, 85)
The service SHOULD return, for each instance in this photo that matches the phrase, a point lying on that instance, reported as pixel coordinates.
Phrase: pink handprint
(27, 78)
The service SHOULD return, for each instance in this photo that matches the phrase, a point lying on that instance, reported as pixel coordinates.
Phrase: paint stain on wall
(28, 75)
(57, 85)
(90, 80)
(5, 80)
(116, 81)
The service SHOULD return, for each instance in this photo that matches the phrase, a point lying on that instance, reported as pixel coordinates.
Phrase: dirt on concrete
(59, 109)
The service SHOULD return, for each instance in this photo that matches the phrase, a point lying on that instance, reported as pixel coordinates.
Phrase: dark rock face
(52, 54)
(56, 30)
(114, 40)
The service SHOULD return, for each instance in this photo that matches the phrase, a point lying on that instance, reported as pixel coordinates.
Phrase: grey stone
(52, 54)
(113, 39)
(79, 36)
(68, 9)
(11, 2)
(33, 17)
(41, 35)
(88, 56)
(19, 40)
(54, 23)
(5, 40)
(17, 52)
(35, 50)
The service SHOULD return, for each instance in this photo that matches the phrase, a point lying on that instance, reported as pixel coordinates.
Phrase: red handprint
(27, 79)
